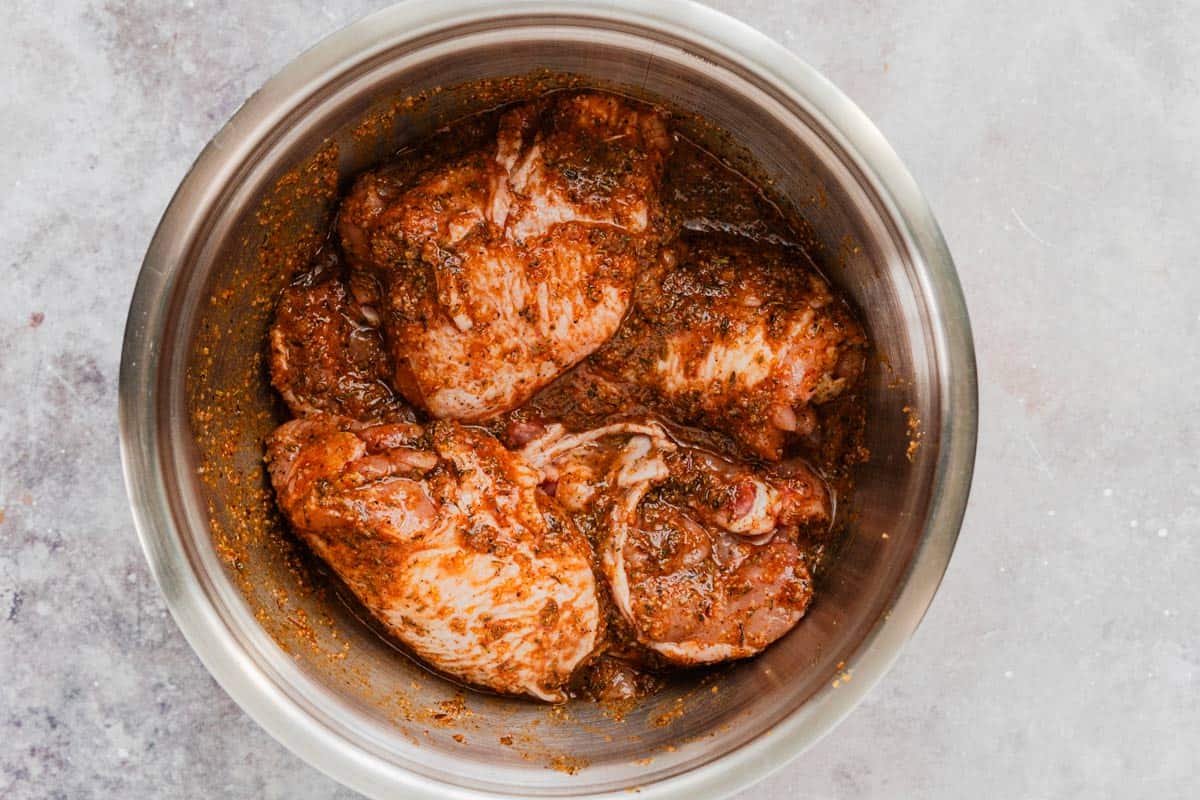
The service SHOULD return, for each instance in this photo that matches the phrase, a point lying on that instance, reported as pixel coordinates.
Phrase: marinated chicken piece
(702, 555)
(502, 269)
(325, 354)
(444, 536)
(737, 335)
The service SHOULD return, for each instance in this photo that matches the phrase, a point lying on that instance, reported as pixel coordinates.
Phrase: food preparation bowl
(195, 403)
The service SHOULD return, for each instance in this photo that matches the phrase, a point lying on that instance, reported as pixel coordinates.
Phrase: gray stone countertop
(1057, 142)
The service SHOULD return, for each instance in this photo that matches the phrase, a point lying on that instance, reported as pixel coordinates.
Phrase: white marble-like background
(1057, 142)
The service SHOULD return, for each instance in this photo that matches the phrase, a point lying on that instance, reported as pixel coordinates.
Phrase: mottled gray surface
(1056, 141)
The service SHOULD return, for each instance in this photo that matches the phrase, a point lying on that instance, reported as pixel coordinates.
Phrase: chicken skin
(444, 536)
(739, 336)
(702, 555)
(498, 271)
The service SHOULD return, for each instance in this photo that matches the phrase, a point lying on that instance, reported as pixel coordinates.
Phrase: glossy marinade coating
(325, 353)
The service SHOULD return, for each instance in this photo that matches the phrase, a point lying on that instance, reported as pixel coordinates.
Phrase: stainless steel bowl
(195, 404)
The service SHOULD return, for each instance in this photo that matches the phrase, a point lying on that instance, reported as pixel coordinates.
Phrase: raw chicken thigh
(737, 335)
(701, 554)
(326, 356)
(444, 536)
(498, 271)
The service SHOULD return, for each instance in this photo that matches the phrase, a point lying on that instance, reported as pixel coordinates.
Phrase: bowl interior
(214, 407)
